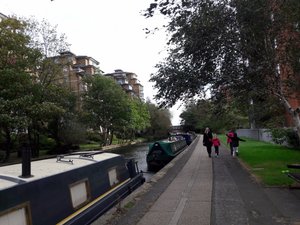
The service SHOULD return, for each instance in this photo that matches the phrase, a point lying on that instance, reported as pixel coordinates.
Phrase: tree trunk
(296, 120)
(34, 141)
(111, 137)
(294, 113)
(105, 136)
(7, 144)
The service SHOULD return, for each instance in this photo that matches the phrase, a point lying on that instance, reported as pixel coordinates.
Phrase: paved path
(187, 200)
(195, 189)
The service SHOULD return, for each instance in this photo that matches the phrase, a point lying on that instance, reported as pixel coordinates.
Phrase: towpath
(195, 189)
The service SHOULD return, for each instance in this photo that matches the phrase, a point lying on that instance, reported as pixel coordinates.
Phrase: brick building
(129, 83)
(75, 68)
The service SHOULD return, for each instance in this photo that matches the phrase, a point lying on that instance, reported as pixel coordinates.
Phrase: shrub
(292, 138)
(279, 135)
(288, 136)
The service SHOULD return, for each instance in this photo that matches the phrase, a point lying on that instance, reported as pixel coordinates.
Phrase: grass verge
(267, 161)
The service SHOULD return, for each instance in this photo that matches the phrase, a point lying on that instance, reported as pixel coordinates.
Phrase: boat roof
(10, 175)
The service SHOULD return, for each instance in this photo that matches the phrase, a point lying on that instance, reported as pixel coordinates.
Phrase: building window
(80, 193)
(17, 215)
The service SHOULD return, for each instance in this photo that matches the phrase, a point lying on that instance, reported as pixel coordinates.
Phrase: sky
(110, 31)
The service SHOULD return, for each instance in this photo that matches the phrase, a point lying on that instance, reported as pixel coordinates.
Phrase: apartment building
(75, 68)
(129, 82)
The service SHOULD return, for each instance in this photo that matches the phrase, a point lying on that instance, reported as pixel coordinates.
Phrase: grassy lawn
(267, 161)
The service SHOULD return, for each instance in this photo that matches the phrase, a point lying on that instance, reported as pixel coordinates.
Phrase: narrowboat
(74, 189)
(162, 152)
(189, 137)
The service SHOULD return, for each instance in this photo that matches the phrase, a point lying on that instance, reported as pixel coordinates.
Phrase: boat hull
(50, 200)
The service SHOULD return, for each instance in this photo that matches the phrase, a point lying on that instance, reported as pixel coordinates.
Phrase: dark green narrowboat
(162, 152)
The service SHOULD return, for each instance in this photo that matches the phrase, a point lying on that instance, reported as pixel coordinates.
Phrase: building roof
(88, 57)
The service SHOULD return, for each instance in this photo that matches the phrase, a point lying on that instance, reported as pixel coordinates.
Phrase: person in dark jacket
(235, 143)
(207, 140)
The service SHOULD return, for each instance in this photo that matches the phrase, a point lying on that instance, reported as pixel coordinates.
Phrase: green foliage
(94, 136)
(283, 135)
(46, 143)
(279, 135)
(234, 49)
(73, 133)
(160, 120)
(29, 98)
(205, 113)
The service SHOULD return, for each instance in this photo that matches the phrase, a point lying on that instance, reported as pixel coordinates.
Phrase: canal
(138, 152)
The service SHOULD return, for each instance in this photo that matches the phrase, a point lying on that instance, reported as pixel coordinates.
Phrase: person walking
(216, 143)
(207, 140)
(229, 135)
(235, 144)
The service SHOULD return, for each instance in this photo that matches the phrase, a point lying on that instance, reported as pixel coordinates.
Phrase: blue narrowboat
(71, 189)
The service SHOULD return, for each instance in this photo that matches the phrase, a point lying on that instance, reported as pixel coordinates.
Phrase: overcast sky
(110, 31)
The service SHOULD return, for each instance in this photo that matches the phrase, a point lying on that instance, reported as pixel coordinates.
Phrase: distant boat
(189, 137)
(72, 189)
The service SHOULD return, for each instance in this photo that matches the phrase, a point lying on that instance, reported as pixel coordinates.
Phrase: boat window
(17, 215)
(113, 177)
(80, 193)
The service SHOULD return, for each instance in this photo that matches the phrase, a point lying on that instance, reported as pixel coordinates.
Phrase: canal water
(138, 152)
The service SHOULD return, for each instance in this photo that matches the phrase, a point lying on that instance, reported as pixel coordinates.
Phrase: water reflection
(138, 152)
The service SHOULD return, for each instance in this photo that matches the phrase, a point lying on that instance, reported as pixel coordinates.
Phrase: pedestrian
(207, 140)
(216, 143)
(235, 144)
(229, 135)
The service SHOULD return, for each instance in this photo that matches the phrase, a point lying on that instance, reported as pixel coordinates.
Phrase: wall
(256, 134)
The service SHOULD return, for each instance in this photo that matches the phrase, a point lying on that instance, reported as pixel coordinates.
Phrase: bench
(294, 175)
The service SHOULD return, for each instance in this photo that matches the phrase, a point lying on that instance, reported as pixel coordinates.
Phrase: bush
(73, 133)
(94, 136)
(46, 143)
(288, 136)
(279, 135)
(292, 138)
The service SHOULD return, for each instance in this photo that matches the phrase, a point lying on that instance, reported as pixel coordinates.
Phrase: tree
(16, 60)
(45, 37)
(140, 117)
(29, 99)
(206, 113)
(240, 47)
(160, 121)
(106, 104)
(196, 64)
(55, 102)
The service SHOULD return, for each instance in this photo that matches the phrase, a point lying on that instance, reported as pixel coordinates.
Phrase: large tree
(241, 48)
(16, 61)
(29, 98)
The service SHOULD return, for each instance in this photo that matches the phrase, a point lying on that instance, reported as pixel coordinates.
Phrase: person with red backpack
(235, 144)
(229, 135)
